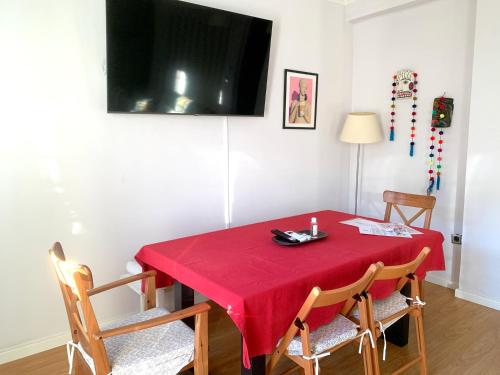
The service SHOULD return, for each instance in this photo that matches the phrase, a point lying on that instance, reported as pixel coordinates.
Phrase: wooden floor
(462, 338)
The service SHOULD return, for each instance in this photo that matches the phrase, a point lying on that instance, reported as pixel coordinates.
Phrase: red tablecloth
(262, 285)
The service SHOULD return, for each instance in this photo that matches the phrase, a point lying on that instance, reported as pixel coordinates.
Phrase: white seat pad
(163, 349)
(386, 307)
(325, 337)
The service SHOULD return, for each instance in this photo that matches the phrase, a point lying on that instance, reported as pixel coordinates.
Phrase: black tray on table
(281, 242)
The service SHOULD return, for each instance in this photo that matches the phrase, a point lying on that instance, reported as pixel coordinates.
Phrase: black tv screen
(168, 56)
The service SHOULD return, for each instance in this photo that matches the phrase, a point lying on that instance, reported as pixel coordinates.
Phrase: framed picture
(300, 100)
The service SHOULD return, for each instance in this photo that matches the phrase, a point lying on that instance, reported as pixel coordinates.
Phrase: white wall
(106, 184)
(480, 277)
(359, 9)
(435, 39)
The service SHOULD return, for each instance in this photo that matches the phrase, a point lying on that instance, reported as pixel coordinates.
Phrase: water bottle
(314, 228)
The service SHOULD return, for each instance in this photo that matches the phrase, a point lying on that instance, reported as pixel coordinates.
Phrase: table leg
(398, 332)
(184, 298)
(258, 364)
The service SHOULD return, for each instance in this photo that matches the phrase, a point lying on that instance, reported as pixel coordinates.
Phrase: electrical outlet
(456, 238)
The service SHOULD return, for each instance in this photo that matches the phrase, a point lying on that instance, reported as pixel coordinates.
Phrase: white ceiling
(358, 9)
(342, 2)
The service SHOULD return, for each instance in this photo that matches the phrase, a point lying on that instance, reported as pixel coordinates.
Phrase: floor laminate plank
(461, 338)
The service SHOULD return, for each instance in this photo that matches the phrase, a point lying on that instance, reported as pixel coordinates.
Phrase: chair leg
(309, 368)
(422, 293)
(421, 343)
(367, 361)
(201, 344)
(421, 289)
(371, 353)
(374, 356)
(80, 367)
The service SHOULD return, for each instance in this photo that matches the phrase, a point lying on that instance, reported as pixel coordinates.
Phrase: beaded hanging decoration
(442, 112)
(404, 86)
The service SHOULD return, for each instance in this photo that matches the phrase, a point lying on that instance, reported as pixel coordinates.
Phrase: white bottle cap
(313, 220)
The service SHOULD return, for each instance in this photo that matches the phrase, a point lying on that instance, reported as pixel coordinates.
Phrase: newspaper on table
(381, 229)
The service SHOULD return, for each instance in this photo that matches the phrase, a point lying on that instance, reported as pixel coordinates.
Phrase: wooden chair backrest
(332, 297)
(395, 199)
(350, 294)
(403, 272)
(74, 281)
(319, 298)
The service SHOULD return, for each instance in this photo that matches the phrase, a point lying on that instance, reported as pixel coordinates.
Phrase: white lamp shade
(361, 127)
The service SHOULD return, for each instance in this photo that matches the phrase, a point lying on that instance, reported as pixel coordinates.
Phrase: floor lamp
(360, 128)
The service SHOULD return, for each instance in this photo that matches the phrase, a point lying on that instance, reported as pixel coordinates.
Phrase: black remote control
(284, 236)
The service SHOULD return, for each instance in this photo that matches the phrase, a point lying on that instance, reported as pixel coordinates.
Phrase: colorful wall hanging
(442, 112)
(404, 86)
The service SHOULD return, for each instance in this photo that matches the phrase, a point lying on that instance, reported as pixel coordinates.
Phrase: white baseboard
(491, 303)
(49, 342)
(441, 281)
(32, 347)
(45, 343)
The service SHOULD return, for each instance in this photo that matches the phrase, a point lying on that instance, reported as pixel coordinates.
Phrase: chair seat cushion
(325, 337)
(386, 307)
(163, 349)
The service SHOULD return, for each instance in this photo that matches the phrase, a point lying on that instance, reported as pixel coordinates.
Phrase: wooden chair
(151, 342)
(424, 202)
(383, 313)
(306, 350)
(162, 300)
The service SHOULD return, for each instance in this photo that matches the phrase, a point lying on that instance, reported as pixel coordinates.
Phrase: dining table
(262, 284)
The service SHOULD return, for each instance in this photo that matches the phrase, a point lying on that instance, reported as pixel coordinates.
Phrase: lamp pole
(357, 181)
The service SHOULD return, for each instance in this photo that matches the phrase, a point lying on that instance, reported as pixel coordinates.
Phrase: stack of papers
(382, 229)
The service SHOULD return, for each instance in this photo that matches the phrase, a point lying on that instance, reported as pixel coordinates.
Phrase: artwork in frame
(300, 100)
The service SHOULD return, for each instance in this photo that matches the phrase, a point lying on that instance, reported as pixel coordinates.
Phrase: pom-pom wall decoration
(404, 86)
(442, 113)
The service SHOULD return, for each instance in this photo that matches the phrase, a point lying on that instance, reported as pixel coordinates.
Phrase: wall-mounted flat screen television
(168, 56)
